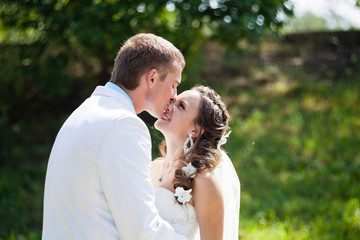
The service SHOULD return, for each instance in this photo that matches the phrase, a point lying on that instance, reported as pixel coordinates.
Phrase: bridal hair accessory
(223, 140)
(189, 139)
(189, 170)
(183, 196)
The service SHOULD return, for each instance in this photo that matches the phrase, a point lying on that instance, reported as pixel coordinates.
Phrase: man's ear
(196, 132)
(150, 77)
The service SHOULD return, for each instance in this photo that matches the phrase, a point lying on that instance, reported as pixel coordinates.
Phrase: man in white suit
(98, 181)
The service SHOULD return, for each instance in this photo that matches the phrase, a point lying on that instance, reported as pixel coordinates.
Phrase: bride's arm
(209, 206)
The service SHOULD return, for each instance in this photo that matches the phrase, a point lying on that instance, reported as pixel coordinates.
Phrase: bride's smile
(179, 118)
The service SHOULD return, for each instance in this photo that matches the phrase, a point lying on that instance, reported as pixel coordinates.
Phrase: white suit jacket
(98, 182)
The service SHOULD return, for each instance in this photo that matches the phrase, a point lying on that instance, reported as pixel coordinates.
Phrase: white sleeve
(125, 174)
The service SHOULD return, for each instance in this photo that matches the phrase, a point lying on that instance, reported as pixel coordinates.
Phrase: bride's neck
(173, 153)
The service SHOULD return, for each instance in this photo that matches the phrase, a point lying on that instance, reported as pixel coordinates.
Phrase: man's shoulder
(108, 96)
(107, 113)
(105, 103)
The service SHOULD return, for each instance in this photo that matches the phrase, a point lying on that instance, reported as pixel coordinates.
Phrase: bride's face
(179, 119)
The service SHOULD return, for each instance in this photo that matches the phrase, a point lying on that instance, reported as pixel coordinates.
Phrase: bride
(196, 187)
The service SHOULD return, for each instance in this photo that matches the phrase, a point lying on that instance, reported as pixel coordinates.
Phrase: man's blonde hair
(141, 53)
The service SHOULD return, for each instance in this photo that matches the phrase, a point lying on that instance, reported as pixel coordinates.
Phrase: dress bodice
(181, 217)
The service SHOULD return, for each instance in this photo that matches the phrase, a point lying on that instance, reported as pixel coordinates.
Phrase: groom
(98, 182)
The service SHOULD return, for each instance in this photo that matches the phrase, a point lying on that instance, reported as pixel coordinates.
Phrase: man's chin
(154, 114)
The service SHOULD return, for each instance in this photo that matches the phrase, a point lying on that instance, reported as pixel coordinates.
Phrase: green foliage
(54, 52)
(89, 32)
(21, 201)
(105, 24)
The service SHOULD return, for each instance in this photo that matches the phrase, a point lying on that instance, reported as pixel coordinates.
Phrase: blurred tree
(108, 18)
(49, 47)
(306, 23)
(95, 28)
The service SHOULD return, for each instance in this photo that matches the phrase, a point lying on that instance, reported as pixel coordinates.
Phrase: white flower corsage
(190, 170)
(184, 196)
(223, 139)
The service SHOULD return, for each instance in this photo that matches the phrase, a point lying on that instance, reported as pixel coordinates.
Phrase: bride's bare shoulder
(206, 190)
(206, 179)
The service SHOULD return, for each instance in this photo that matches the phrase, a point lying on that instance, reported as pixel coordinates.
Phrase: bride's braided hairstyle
(213, 120)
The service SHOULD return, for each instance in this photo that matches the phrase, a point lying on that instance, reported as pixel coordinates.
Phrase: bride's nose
(170, 106)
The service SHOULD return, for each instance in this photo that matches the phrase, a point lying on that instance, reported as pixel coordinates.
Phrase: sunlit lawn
(296, 148)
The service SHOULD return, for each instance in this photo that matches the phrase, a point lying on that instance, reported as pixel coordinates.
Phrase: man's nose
(171, 104)
(174, 94)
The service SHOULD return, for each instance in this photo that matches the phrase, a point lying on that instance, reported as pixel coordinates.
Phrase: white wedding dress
(183, 217)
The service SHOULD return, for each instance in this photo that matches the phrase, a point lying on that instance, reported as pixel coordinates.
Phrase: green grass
(294, 143)
(21, 192)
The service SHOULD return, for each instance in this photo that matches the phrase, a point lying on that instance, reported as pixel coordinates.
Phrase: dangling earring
(189, 139)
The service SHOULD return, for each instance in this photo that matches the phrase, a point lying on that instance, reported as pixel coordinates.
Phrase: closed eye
(181, 104)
